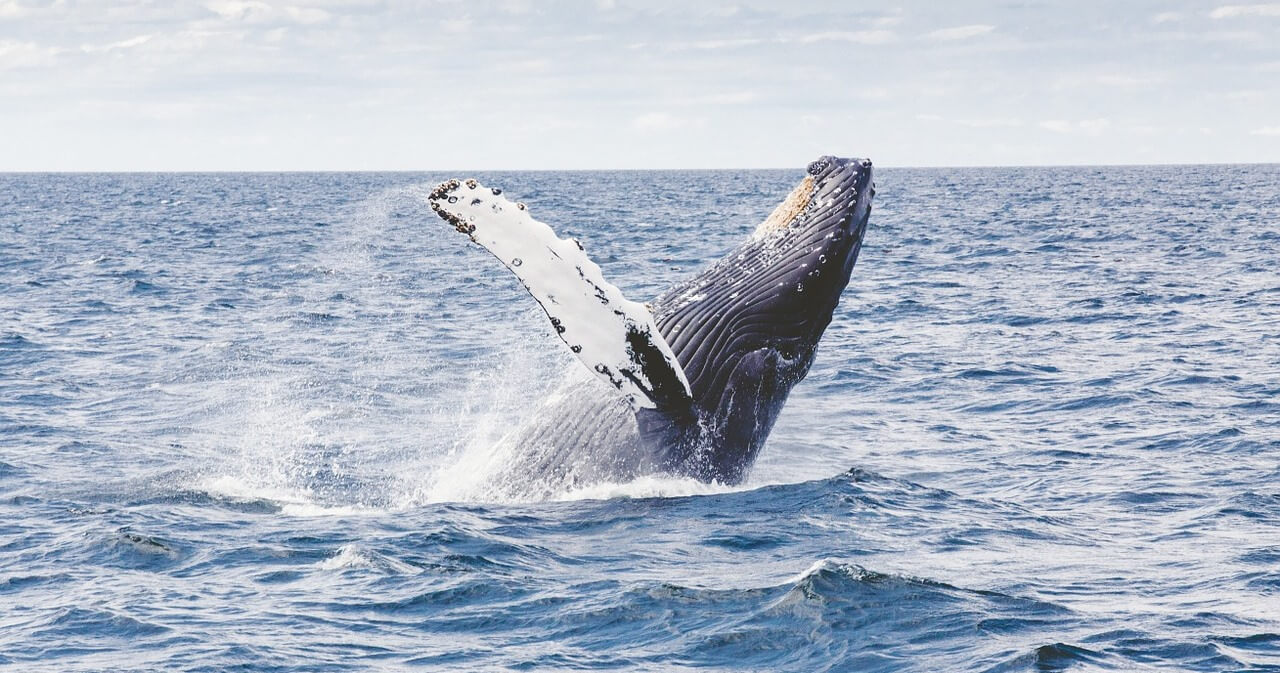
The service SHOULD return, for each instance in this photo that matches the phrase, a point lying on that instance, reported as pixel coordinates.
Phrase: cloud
(980, 122)
(289, 69)
(239, 10)
(517, 7)
(858, 37)
(155, 110)
(1089, 127)
(459, 25)
(306, 14)
(15, 55)
(10, 9)
(735, 98)
(1246, 95)
(114, 46)
(523, 66)
(192, 40)
(1234, 11)
(961, 32)
(726, 44)
(1115, 80)
(1126, 81)
(991, 123)
(1210, 36)
(885, 21)
(256, 11)
(658, 121)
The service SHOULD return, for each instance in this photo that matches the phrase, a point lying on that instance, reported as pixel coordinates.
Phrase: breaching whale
(697, 376)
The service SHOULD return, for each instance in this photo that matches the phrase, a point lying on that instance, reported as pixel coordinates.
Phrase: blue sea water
(1042, 432)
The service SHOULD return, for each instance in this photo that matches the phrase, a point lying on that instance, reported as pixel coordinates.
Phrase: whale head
(809, 243)
(746, 329)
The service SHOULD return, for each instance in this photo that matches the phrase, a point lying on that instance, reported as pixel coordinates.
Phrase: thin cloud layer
(961, 32)
(1233, 11)
(386, 84)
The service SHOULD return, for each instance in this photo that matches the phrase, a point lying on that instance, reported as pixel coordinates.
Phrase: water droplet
(517, 262)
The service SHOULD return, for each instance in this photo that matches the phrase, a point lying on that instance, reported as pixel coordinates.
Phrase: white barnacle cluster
(791, 207)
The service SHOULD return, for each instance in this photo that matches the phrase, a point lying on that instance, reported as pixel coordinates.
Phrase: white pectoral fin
(614, 337)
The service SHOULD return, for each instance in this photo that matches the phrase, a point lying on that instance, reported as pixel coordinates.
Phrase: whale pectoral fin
(614, 337)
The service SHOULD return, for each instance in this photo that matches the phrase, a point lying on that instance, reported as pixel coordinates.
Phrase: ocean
(1042, 432)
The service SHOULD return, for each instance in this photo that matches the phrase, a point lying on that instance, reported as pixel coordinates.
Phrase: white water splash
(292, 501)
(649, 486)
(353, 556)
(375, 411)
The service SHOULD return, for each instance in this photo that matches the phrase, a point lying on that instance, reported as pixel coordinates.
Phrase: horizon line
(65, 171)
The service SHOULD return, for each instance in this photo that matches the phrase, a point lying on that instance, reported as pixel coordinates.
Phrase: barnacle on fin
(443, 188)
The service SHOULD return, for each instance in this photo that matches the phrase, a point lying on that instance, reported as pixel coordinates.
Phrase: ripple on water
(235, 412)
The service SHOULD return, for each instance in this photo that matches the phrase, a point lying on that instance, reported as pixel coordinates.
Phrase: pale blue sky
(383, 84)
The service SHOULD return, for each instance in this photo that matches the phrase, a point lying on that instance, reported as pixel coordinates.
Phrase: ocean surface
(1041, 434)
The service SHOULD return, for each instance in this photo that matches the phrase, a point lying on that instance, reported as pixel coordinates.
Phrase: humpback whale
(695, 378)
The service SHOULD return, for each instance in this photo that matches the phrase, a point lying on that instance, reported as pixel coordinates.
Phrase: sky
(600, 84)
